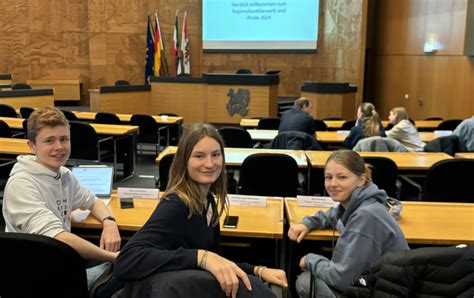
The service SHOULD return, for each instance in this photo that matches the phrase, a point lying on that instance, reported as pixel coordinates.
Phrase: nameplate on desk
(313, 201)
(240, 200)
(343, 132)
(138, 193)
(442, 133)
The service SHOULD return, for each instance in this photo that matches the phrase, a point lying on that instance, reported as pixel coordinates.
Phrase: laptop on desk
(98, 179)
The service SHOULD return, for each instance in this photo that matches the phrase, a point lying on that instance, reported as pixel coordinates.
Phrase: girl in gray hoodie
(367, 230)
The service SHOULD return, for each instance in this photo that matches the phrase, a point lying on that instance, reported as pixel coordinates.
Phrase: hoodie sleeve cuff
(312, 260)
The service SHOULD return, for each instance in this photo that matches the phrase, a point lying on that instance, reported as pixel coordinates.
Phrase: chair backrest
(449, 124)
(243, 71)
(348, 125)
(7, 111)
(236, 137)
(447, 144)
(25, 112)
(168, 114)
(40, 266)
(21, 86)
(164, 169)
(69, 115)
(148, 128)
(84, 141)
(434, 118)
(269, 174)
(320, 125)
(269, 123)
(384, 174)
(107, 118)
(5, 131)
(294, 140)
(122, 83)
(450, 181)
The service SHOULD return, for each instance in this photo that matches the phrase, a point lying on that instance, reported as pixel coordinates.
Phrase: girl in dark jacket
(368, 124)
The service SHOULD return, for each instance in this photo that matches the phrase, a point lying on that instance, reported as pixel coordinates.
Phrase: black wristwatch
(110, 217)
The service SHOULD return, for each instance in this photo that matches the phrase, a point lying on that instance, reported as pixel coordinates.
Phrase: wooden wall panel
(438, 84)
(101, 41)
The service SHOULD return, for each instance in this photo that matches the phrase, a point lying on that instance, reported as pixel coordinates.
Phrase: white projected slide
(260, 24)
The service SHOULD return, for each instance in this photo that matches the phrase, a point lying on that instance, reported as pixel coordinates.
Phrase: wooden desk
(404, 160)
(103, 129)
(421, 222)
(235, 156)
(131, 99)
(339, 137)
(66, 90)
(333, 137)
(254, 222)
(90, 116)
(28, 98)
(337, 124)
(14, 146)
(464, 155)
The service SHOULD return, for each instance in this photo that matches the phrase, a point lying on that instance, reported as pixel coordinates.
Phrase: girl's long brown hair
(183, 186)
(371, 120)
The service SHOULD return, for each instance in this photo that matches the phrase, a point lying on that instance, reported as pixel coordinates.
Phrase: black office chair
(40, 266)
(236, 137)
(272, 123)
(6, 132)
(87, 146)
(122, 83)
(268, 174)
(163, 170)
(107, 118)
(384, 174)
(450, 181)
(243, 71)
(434, 118)
(348, 125)
(294, 140)
(21, 86)
(173, 130)
(150, 133)
(449, 124)
(70, 115)
(168, 114)
(448, 144)
(25, 112)
(7, 111)
(320, 125)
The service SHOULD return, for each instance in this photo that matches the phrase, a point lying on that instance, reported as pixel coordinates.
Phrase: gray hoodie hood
(27, 164)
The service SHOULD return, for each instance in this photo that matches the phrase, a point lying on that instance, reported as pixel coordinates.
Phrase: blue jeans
(320, 288)
(93, 273)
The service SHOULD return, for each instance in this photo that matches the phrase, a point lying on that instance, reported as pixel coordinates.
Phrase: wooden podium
(216, 97)
(331, 99)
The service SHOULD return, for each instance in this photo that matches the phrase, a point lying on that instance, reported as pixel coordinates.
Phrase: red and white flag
(176, 51)
(185, 47)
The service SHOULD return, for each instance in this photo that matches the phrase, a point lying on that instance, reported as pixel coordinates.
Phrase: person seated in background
(367, 230)
(368, 124)
(41, 193)
(465, 133)
(298, 118)
(179, 244)
(403, 130)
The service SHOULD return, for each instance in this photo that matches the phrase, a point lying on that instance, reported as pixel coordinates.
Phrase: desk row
(421, 222)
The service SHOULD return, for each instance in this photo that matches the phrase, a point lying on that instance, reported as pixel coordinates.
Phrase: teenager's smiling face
(52, 146)
(205, 163)
(340, 183)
